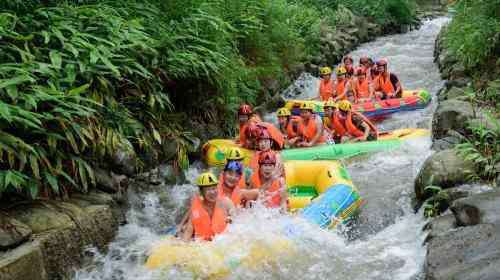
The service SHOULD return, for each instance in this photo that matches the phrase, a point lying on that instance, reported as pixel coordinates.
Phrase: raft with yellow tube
(410, 100)
(214, 151)
(321, 192)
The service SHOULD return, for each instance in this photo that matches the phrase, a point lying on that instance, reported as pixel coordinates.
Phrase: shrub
(474, 33)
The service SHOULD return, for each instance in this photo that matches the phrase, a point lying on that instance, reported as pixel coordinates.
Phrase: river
(386, 243)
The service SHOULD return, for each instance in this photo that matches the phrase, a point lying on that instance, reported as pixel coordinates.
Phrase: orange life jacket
(385, 85)
(340, 87)
(327, 123)
(344, 125)
(206, 227)
(235, 195)
(243, 127)
(275, 197)
(326, 89)
(362, 89)
(309, 130)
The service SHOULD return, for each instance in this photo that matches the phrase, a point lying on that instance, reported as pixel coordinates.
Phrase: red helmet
(382, 62)
(364, 59)
(245, 109)
(264, 134)
(252, 130)
(268, 157)
(360, 71)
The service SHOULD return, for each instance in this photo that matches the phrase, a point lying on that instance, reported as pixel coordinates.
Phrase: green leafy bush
(482, 147)
(474, 33)
(384, 12)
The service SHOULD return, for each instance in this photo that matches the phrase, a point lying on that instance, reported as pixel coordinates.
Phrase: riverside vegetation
(81, 80)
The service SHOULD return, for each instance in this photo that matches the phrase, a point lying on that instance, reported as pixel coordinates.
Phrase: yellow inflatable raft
(215, 260)
(322, 188)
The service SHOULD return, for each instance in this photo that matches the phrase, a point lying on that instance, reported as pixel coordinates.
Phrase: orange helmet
(268, 157)
(245, 109)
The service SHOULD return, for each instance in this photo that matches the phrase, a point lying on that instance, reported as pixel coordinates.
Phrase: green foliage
(482, 147)
(384, 12)
(474, 33)
(80, 79)
(437, 203)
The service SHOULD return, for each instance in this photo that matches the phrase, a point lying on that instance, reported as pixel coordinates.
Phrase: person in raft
(348, 64)
(235, 154)
(246, 116)
(233, 186)
(311, 129)
(367, 64)
(341, 86)
(326, 83)
(361, 87)
(289, 126)
(210, 211)
(351, 126)
(387, 84)
(265, 144)
(330, 109)
(272, 189)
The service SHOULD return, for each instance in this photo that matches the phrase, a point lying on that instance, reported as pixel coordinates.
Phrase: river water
(386, 242)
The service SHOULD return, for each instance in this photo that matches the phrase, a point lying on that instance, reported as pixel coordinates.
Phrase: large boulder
(125, 160)
(452, 93)
(451, 115)
(483, 208)
(23, 262)
(440, 226)
(41, 217)
(464, 253)
(12, 232)
(445, 169)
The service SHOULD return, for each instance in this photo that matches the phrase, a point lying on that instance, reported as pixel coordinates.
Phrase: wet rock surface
(445, 169)
(55, 235)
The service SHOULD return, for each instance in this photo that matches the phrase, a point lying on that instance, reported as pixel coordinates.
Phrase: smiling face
(264, 144)
(328, 111)
(209, 193)
(282, 121)
(267, 170)
(242, 118)
(231, 178)
(305, 114)
(381, 69)
(326, 77)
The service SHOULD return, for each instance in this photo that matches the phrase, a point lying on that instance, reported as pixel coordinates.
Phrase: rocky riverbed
(463, 242)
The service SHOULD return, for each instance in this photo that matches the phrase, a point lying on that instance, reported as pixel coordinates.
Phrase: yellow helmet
(341, 70)
(307, 106)
(284, 112)
(345, 105)
(325, 70)
(206, 179)
(234, 153)
(330, 103)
